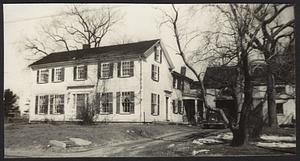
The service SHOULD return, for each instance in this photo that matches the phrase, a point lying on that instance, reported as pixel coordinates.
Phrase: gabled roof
(181, 76)
(107, 53)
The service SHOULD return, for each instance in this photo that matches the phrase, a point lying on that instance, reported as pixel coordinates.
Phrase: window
(280, 89)
(125, 69)
(106, 103)
(175, 107)
(155, 104)
(42, 76)
(106, 70)
(279, 108)
(128, 102)
(155, 72)
(57, 74)
(180, 107)
(80, 72)
(157, 54)
(57, 104)
(43, 104)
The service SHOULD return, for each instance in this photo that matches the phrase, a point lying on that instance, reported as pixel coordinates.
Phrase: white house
(129, 83)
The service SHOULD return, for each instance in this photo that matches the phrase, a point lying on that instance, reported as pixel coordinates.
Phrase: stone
(58, 143)
(80, 142)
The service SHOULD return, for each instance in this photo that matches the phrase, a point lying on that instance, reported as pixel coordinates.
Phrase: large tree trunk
(271, 96)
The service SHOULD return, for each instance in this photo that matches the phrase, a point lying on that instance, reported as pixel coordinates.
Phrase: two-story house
(128, 83)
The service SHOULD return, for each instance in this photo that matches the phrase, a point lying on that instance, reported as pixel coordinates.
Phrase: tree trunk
(271, 96)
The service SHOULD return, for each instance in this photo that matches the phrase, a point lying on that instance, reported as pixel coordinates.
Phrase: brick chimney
(86, 46)
(183, 70)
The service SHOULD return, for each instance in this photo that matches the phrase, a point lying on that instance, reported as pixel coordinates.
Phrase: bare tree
(232, 44)
(277, 32)
(77, 26)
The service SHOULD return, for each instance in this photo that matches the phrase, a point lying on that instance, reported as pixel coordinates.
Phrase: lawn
(33, 135)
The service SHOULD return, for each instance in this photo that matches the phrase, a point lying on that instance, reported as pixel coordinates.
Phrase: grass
(32, 135)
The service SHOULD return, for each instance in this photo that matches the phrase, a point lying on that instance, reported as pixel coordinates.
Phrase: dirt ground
(124, 140)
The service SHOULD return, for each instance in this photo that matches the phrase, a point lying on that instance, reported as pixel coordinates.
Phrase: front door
(81, 102)
(189, 105)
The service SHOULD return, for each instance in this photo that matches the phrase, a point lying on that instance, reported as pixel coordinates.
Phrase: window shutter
(118, 102)
(182, 84)
(111, 70)
(36, 104)
(119, 69)
(51, 104)
(174, 82)
(131, 68)
(37, 76)
(99, 70)
(74, 73)
(52, 75)
(157, 73)
(152, 101)
(63, 97)
(62, 74)
(152, 72)
(173, 104)
(85, 72)
(158, 102)
(179, 83)
(132, 100)
(110, 97)
(155, 53)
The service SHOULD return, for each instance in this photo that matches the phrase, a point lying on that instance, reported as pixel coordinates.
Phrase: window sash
(80, 72)
(105, 69)
(154, 104)
(125, 68)
(155, 72)
(44, 76)
(58, 74)
(43, 104)
(106, 103)
(127, 102)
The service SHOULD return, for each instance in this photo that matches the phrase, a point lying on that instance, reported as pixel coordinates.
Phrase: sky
(140, 22)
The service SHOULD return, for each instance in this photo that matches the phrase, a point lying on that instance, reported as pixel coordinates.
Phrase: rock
(195, 152)
(80, 142)
(171, 145)
(58, 143)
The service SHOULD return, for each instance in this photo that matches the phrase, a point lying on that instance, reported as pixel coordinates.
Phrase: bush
(87, 115)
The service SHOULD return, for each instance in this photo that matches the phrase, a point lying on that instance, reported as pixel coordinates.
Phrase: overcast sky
(141, 22)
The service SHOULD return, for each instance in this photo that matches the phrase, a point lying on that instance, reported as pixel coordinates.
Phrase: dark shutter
(74, 72)
(155, 53)
(152, 108)
(36, 104)
(63, 109)
(174, 108)
(111, 70)
(51, 103)
(157, 73)
(85, 72)
(46, 109)
(152, 72)
(37, 76)
(52, 75)
(110, 98)
(118, 102)
(132, 101)
(119, 69)
(182, 82)
(158, 102)
(179, 83)
(131, 68)
(99, 70)
(62, 74)
(174, 82)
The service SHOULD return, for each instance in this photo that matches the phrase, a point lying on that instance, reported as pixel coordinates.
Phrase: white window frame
(155, 71)
(39, 105)
(154, 104)
(107, 70)
(41, 80)
(131, 102)
(56, 103)
(122, 68)
(77, 72)
(108, 101)
(56, 74)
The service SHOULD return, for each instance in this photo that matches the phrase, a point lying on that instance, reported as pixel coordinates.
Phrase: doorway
(189, 105)
(80, 103)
